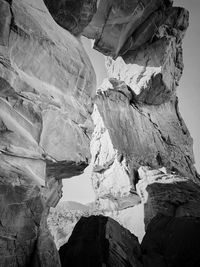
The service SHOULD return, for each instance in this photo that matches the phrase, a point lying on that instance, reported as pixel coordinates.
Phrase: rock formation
(47, 84)
(63, 218)
(100, 241)
(47, 96)
(137, 120)
(72, 15)
(172, 218)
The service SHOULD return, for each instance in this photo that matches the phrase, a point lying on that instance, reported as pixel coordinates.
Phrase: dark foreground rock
(100, 241)
(172, 242)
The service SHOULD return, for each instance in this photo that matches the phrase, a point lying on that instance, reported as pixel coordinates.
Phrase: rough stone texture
(110, 175)
(167, 194)
(47, 85)
(120, 26)
(172, 218)
(72, 15)
(47, 90)
(137, 120)
(140, 135)
(152, 72)
(100, 241)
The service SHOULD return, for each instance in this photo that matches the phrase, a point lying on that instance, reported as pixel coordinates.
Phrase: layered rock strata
(47, 85)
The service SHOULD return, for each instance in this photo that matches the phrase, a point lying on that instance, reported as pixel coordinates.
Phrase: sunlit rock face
(100, 241)
(110, 176)
(137, 119)
(47, 85)
(152, 72)
(62, 219)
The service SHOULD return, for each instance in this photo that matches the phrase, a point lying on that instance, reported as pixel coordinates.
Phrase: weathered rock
(120, 26)
(63, 218)
(5, 22)
(138, 135)
(72, 15)
(167, 194)
(172, 241)
(110, 175)
(47, 85)
(172, 219)
(100, 241)
(137, 120)
(152, 72)
(47, 90)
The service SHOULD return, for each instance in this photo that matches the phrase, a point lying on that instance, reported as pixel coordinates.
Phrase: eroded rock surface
(63, 218)
(172, 218)
(100, 241)
(47, 91)
(72, 15)
(167, 194)
(121, 26)
(137, 119)
(47, 85)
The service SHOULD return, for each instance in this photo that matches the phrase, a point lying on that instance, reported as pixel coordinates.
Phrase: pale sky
(79, 188)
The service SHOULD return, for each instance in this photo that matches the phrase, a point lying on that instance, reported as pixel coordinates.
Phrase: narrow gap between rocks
(79, 188)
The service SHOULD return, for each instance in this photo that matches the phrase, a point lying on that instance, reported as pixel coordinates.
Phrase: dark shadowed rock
(100, 241)
(167, 194)
(5, 21)
(72, 15)
(121, 26)
(172, 242)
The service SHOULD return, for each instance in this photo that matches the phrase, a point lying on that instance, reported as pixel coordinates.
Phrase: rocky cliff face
(137, 119)
(47, 85)
(47, 95)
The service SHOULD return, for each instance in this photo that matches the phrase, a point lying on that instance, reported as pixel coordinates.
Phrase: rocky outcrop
(110, 175)
(63, 218)
(137, 119)
(172, 218)
(168, 194)
(172, 241)
(121, 26)
(100, 241)
(47, 85)
(72, 15)
(141, 135)
(47, 94)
